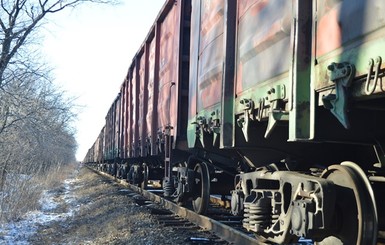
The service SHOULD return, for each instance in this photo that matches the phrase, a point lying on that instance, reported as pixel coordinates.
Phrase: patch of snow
(20, 231)
(47, 201)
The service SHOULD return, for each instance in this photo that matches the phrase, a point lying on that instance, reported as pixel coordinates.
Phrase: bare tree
(20, 18)
(35, 116)
(36, 138)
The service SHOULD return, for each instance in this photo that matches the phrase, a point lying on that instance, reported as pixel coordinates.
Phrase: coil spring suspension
(257, 212)
(168, 187)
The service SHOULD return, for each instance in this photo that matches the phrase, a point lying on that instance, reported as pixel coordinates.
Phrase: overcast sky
(91, 48)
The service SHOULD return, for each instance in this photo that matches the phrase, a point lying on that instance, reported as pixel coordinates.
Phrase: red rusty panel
(151, 118)
(108, 135)
(124, 118)
(112, 123)
(341, 38)
(211, 21)
(129, 113)
(121, 118)
(135, 83)
(212, 37)
(211, 54)
(142, 101)
(249, 5)
(169, 68)
(336, 27)
(117, 127)
(127, 116)
(263, 41)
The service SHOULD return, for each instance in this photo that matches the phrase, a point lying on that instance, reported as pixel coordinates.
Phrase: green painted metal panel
(300, 117)
(194, 54)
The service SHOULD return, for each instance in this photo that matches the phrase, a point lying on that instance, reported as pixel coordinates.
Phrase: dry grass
(22, 192)
(106, 214)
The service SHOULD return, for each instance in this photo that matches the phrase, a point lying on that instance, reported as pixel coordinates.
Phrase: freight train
(277, 104)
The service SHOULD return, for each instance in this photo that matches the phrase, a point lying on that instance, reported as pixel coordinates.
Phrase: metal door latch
(342, 75)
(244, 121)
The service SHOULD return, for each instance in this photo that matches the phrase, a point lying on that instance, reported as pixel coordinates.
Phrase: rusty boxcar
(278, 104)
(152, 100)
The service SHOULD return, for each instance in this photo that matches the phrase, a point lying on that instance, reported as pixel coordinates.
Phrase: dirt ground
(103, 212)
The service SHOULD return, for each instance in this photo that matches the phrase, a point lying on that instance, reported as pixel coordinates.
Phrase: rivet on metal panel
(277, 93)
(248, 103)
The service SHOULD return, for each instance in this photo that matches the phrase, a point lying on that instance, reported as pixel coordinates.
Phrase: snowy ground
(19, 232)
(93, 209)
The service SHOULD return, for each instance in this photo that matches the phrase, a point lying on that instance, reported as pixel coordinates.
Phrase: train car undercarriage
(336, 205)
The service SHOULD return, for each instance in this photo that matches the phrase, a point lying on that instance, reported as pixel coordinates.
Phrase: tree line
(36, 117)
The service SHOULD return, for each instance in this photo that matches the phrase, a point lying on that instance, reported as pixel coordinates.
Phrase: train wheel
(145, 176)
(356, 212)
(201, 196)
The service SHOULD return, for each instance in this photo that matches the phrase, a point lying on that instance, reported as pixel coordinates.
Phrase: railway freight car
(146, 124)
(279, 104)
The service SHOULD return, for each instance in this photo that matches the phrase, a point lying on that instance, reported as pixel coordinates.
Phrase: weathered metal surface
(151, 117)
(277, 204)
(256, 64)
(263, 42)
(301, 120)
(206, 65)
(117, 122)
(152, 89)
(129, 112)
(109, 134)
(348, 31)
(143, 101)
(100, 157)
(227, 120)
(122, 123)
(125, 116)
(135, 108)
(263, 57)
(211, 54)
(168, 68)
(342, 75)
(112, 131)
(194, 54)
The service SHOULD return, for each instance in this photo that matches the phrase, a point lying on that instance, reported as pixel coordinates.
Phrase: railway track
(218, 220)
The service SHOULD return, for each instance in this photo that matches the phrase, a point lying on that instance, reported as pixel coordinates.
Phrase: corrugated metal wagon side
(153, 103)
(171, 65)
(277, 103)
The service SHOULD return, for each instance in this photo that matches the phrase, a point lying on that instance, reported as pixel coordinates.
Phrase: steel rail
(223, 231)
